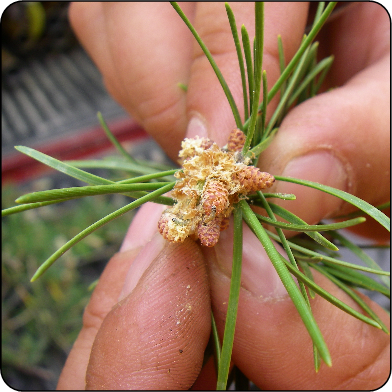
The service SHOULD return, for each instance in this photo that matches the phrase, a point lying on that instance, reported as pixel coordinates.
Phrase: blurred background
(51, 93)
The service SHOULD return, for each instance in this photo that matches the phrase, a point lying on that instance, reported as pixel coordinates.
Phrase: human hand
(342, 136)
(131, 73)
(148, 322)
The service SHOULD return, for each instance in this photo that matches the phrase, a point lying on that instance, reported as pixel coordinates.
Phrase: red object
(86, 143)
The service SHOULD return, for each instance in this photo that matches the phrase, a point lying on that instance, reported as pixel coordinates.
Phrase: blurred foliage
(41, 320)
(33, 28)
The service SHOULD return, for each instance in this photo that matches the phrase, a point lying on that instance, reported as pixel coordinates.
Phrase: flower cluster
(211, 181)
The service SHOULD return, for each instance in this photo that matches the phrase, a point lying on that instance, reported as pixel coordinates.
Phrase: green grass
(41, 321)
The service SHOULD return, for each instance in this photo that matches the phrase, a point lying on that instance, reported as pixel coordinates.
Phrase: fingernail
(321, 167)
(196, 127)
(258, 275)
(144, 225)
(142, 261)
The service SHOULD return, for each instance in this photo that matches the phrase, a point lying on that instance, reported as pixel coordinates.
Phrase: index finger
(143, 51)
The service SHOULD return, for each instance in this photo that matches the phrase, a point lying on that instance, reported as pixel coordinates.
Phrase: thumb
(160, 326)
(272, 346)
(156, 336)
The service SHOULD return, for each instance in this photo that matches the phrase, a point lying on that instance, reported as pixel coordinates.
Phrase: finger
(116, 277)
(339, 138)
(272, 346)
(88, 22)
(206, 381)
(207, 106)
(147, 95)
(143, 51)
(358, 36)
(144, 226)
(104, 297)
(155, 338)
(121, 275)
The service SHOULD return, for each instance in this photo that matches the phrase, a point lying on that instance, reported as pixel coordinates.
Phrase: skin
(148, 321)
